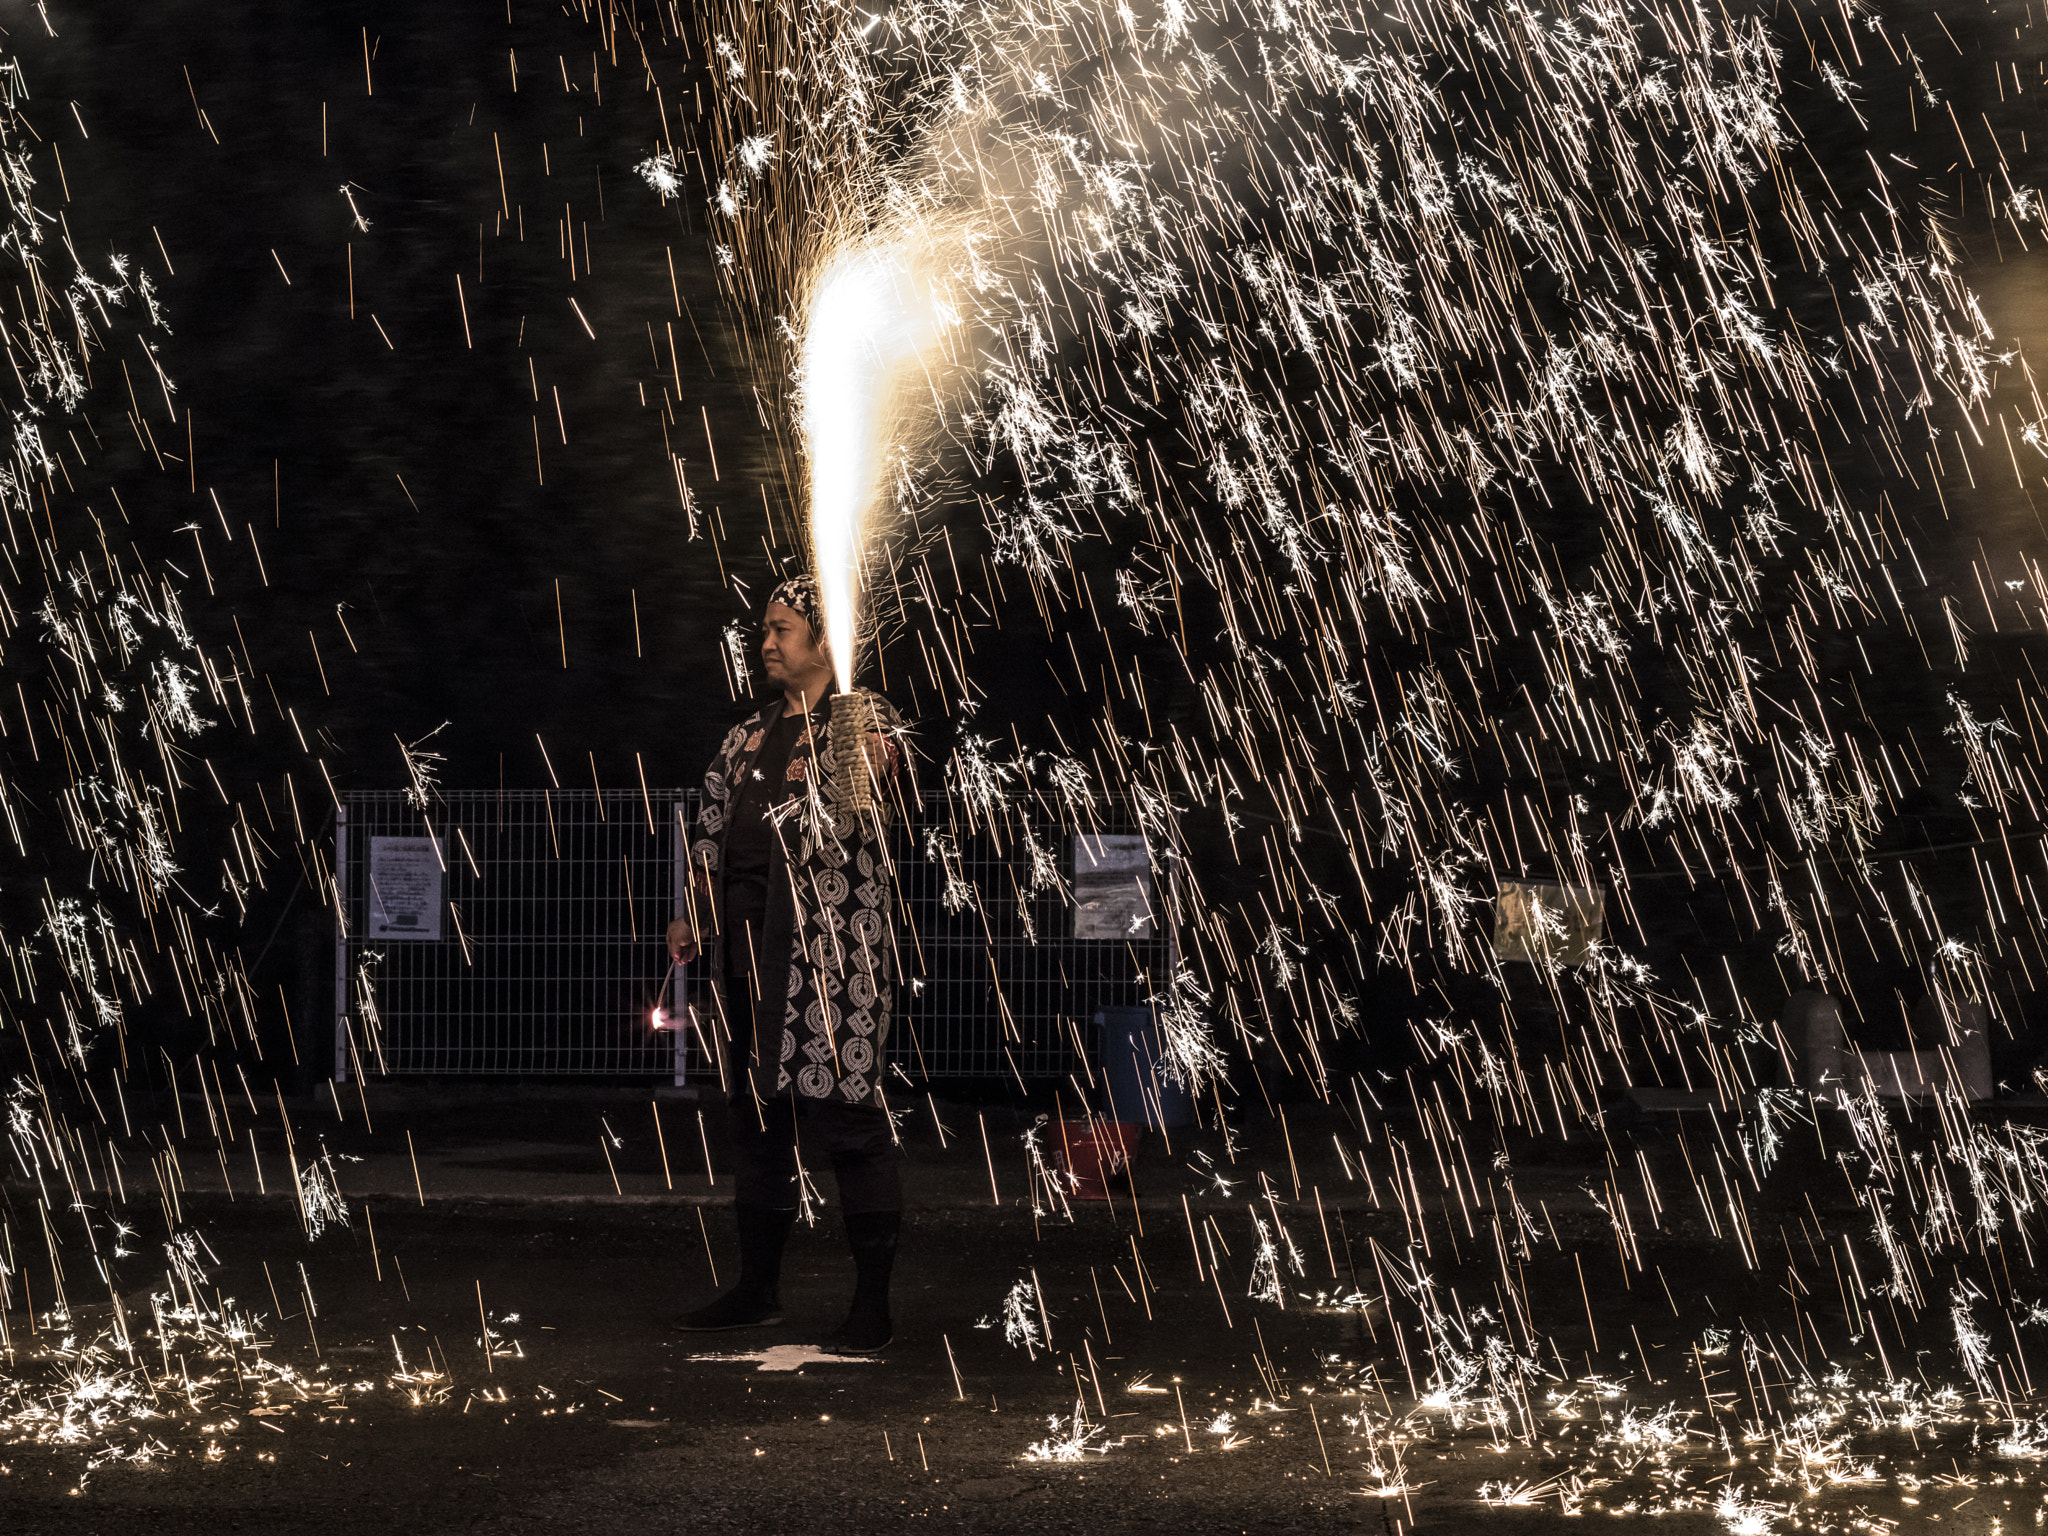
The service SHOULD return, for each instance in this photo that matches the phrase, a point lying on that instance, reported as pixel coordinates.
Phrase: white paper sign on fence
(1113, 888)
(1546, 923)
(408, 887)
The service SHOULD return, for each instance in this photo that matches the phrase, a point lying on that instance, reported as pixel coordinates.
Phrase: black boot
(872, 1236)
(756, 1300)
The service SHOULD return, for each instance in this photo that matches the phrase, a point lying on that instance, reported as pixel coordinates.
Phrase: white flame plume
(866, 322)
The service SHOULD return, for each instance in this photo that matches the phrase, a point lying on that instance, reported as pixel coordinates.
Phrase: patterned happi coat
(830, 927)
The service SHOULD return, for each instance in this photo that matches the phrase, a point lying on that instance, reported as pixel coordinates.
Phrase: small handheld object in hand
(662, 1016)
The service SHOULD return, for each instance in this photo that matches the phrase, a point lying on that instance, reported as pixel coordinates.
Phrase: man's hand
(682, 940)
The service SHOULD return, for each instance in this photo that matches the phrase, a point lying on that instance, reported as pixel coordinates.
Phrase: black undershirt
(750, 839)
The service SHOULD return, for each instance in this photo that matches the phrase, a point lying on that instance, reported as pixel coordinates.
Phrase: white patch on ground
(791, 1357)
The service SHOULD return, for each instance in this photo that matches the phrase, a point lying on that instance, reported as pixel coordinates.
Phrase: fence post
(679, 900)
(341, 944)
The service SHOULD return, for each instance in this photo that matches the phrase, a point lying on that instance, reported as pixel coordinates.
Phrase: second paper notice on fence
(408, 887)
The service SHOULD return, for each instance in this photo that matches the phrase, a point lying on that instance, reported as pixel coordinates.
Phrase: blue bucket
(1134, 1080)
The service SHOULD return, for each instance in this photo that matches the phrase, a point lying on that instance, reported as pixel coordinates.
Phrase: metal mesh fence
(548, 956)
(998, 984)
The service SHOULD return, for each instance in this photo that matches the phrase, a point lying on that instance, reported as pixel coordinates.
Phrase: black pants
(855, 1138)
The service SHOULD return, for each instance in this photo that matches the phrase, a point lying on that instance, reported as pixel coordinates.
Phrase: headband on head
(800, 595)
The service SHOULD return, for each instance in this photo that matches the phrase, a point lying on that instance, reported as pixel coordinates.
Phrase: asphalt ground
(362, 1395)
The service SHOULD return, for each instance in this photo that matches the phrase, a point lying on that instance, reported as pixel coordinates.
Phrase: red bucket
(1093, 1151)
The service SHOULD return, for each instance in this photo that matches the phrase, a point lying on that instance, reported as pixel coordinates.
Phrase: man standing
(792, 901)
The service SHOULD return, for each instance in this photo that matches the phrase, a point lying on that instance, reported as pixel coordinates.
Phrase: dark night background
(397, 481)
(392, 506)
(389, 503)
(446, 513)
(352, 502)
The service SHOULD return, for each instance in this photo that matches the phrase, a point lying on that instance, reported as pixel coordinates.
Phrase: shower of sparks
(178, 1371)
(422, 769)
(116, 1348)
(1400, 293)
(1021, 1319)
(319, 1197)
(1071, 1439)
(1483, 443)
(1445, 446)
